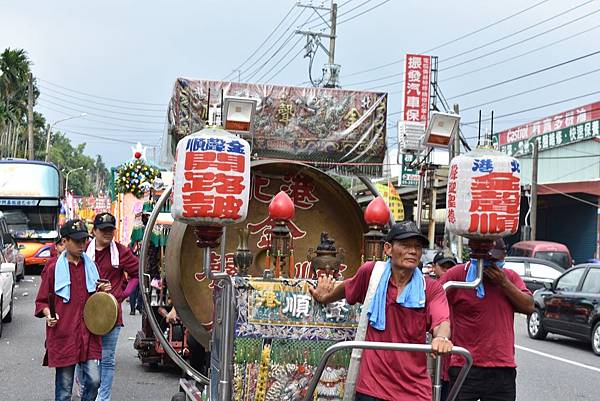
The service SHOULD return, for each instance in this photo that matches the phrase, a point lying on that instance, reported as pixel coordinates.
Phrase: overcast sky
(125, 50)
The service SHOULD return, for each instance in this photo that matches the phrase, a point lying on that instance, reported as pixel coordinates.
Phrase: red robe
(129, 263)
(69, 342)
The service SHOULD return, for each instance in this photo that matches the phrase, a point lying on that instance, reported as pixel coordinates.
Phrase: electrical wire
(238, 68)
(535, 108)
(122, 113)
(526, 75)
(531, 90)
(42, 101)
(101, 97)
(282, 58)
(264, 54)
(477, 58)
(286, 65)
(451, 41)
(363, 12)
(106, 138)
(121, 107)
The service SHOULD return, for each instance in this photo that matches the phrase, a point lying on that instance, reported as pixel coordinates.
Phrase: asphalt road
(556, 369)
(22, 376)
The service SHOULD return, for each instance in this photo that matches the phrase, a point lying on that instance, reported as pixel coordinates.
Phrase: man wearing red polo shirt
(483, 323)
(404, 307)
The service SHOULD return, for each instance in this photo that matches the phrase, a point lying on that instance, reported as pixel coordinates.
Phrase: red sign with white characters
(212, 178)
(417, 72)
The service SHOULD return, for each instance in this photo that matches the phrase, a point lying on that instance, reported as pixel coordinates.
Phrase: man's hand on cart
(172, 316)
(441, 346)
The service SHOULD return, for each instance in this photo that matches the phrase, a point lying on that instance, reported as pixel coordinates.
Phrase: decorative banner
(306, 124)
(409, 177)
(417, 72)
(483, 195)
(392, 199)
(561, 129)
(212, 178)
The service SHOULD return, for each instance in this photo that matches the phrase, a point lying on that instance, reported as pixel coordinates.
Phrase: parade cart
(239, 278)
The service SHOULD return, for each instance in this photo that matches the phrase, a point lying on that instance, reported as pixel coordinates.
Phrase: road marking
(581, 365)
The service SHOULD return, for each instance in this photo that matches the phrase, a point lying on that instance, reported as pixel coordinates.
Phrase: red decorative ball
(377, 212)
(282, 207)
(137, 155)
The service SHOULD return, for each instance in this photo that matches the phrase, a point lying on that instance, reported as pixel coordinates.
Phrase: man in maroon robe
(67, 283)
(113, 261)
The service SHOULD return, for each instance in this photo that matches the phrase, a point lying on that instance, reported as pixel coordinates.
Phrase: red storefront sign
(417, 72)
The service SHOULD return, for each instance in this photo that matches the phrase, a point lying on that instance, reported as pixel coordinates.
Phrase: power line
(516, 32)
(112, 129)
(87, 118)
(477, 58)
(363, 12)
(263, 42)
(106, 138)
(526, 75)
(96, 114)
(531, 90)
(453, 40)
(286, 65)
(534, 108)
(526, 53)
(519, 42)
(264, 54)
(101, 97)
(59, 99)
(281, 59)
(98, 103)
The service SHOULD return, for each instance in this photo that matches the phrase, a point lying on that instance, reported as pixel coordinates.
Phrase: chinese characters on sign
(483, 196)
(212, 178)
(417, 70)
(410, 176)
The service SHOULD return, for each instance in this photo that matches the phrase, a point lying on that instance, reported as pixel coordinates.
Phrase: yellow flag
(392, 199)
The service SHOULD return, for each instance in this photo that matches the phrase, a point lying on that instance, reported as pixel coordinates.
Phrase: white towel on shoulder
(114, 252)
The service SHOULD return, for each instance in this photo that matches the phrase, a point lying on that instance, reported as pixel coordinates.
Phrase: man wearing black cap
(67, 283)
(483, 323)
(113, 260)
(442, 261)
(402, 306)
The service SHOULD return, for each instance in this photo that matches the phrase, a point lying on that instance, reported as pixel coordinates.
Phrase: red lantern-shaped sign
(377, 213)
(212, 178)
(483, 195)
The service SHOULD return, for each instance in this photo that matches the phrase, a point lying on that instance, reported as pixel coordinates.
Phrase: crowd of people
(403, 305)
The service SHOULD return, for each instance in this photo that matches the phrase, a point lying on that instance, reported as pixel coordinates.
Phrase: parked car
(569, 306)
(534, 272)
(9, 250)
(552, 251)
(7, 285)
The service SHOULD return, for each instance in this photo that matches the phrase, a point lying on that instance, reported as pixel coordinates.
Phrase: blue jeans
(90, 380)
(107, 365)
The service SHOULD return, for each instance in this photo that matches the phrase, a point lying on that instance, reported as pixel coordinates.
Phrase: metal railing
(390, 347)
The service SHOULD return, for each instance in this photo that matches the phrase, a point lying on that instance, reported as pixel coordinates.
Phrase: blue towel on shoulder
(472, 275)
(412, 296)
(62, 276)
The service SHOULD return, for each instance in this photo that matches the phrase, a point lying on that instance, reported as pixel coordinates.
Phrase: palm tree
(14, 69)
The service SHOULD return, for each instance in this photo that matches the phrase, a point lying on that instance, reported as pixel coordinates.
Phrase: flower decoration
(132, 175)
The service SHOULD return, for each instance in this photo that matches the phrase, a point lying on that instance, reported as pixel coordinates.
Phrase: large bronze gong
(322, 204)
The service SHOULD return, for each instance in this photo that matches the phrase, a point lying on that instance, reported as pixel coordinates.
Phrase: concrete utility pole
(534, 183)
(331, 71)
(30, 116)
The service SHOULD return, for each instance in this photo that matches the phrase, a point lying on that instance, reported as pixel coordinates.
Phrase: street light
(50, 131)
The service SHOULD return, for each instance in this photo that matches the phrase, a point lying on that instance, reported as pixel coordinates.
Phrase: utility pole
(331, 71)
(534, 183)
(30, 116)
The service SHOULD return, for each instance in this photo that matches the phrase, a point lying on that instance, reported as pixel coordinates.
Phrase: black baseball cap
(74, 229)
(104, 220)
(404, 230)
(442, 257)
(498, 251)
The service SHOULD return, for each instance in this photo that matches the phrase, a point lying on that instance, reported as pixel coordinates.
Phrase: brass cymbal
(100, 313)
